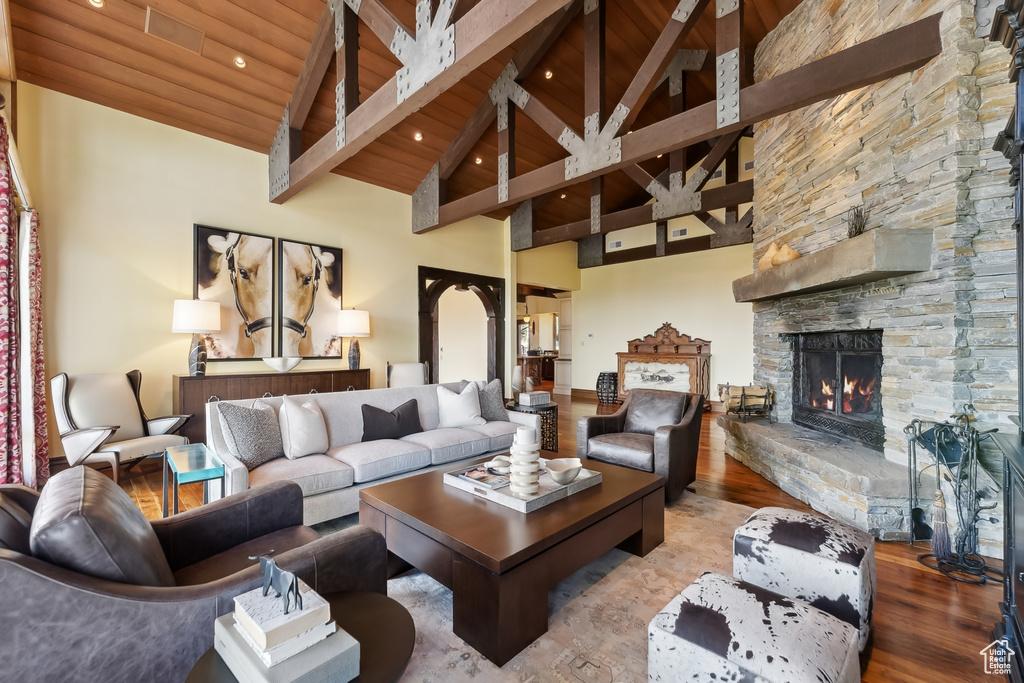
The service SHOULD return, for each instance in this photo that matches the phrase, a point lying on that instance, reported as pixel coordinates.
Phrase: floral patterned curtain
(34, 375)
(14, 467)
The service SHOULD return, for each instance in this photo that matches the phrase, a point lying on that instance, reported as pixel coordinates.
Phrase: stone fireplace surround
(915, 152)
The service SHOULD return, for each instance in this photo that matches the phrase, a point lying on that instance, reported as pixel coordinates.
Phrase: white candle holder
(525, 466)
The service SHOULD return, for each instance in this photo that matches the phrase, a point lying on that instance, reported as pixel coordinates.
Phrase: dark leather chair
(68, 624)
(654, 431)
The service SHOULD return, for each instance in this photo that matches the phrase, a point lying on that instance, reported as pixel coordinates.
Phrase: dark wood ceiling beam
(898, 51)
(483, 32)
(594, 112)
(313, 70)
(380, 20)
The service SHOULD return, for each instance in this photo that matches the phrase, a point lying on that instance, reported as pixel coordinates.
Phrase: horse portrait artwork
(310, 298)
(284, 583)
(236, 270)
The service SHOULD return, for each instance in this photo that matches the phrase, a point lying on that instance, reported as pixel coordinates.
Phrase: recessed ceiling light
(548, 74)
(660, 155)
(417, 136)
(239, 60)
(629, 132)
(97, 3)
(479, 161)
(562, 196)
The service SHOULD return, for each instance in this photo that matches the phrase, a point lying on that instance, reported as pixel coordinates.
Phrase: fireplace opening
(837, 380)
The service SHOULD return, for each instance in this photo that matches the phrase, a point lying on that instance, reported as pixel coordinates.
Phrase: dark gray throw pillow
(492, 400)
(252, 434)
(381, 424)
(86, 523)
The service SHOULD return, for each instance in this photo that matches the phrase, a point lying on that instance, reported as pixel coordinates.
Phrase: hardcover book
(288, 648)
(263, 617)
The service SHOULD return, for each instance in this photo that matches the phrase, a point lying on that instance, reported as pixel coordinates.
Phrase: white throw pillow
(303, 430)
(459, 410)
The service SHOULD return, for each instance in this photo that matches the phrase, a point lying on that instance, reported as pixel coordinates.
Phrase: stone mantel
(875, 255)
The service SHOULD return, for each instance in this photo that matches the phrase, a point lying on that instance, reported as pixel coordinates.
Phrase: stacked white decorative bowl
(525, 468)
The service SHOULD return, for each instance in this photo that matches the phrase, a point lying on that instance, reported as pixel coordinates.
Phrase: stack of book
(259, 642)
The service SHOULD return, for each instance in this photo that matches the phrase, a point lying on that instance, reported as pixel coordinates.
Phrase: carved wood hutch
(666, 360)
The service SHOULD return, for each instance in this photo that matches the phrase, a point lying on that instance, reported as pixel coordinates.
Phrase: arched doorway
(433, 282)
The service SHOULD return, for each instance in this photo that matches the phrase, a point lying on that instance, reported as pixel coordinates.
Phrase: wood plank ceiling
(104, 55)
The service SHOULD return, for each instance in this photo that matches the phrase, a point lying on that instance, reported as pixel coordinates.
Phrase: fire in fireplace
(836, 381)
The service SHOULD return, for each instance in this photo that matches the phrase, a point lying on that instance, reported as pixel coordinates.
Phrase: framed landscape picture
(236, 270)
(309, 298)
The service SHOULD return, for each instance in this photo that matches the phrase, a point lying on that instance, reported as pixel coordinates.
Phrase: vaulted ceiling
(107, 55)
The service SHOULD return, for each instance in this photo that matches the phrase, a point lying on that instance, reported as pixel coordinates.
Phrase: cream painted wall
(692, 291)
(462, 336)
(117, 197)
(551, 266)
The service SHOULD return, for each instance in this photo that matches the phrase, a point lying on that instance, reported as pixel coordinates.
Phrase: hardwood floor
(927, 628)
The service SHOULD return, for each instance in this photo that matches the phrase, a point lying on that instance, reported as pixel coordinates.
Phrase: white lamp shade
(353, 323)
(192, 316)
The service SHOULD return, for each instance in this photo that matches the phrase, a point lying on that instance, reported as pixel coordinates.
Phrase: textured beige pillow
(303, 431)
(785, 255)
(765, 262)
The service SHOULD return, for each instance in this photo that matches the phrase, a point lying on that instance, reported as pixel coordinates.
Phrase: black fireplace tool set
(954, 446)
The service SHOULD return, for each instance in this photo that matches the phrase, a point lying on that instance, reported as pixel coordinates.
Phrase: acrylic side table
(548, 422)
(188, 464)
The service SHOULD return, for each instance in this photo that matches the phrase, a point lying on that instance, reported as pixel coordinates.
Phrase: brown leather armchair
(654, 431)
(62, 625)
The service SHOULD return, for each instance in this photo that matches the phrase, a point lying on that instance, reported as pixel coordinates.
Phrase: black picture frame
(309, 298)
(247, 299)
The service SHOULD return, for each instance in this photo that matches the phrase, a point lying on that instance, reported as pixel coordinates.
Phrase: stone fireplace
(929, 286)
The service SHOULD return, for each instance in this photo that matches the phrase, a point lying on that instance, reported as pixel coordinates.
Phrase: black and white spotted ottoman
(724, 629)
(825, 563)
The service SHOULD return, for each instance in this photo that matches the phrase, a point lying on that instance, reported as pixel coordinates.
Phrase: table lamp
(198, 318)
(353, 323)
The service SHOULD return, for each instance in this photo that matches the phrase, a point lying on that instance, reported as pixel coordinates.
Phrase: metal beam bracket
(429, 53)
(426, 201)
(684, 10)
(503, 177)
(354, 5)
(339, 114)
(521, 226)
(280, 161)
(727, 77)
(724, 7)
(506, 88)
(599, 148)
(676, 199)
(337, 7)
(984, 15)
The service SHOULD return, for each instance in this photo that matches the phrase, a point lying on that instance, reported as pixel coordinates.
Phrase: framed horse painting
(236, 270)
(309, 299)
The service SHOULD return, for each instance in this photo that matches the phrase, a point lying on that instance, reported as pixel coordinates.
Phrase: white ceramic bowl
(564, 470)
(282, 364)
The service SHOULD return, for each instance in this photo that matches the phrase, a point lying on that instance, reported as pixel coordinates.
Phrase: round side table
(382, 626)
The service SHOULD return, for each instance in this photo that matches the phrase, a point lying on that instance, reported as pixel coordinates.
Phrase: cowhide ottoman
(724, 629)
(825, 563)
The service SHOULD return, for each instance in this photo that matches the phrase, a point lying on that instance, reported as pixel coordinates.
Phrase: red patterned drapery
(24, 458)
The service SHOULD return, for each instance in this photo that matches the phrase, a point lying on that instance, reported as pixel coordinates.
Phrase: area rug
(597, 624)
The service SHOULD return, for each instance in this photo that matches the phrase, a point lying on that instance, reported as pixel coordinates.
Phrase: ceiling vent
(173, 31)
(748, 166)
(679, 232)
(716, 175)
(614, 244)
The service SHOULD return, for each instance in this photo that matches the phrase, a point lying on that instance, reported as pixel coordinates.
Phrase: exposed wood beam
(898, 51)
(716, 198)
(484, 31)
(379, 19)
(7, 72)
(313, 70)
(347, 60)
(593, 95)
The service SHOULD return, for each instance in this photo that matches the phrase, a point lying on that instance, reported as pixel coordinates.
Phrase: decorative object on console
(666, 360)
(856, 219)
(309, 295)
(353, 323)
(197, 318)
(525, 467)
(236, 270)
(303, 430)
(765, 262)
(785, 254)
(282, 364)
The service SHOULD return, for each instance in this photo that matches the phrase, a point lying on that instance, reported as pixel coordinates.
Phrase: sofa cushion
(382, 424)
(623, 448)
(86, 523)
(313, 473)
(652, 408)
(15, 526)
(253, 435)
(450, 444)
(501, 434)
(383, 458)
(492, 400)
(303, 431)
(459, 409)
(237, 558)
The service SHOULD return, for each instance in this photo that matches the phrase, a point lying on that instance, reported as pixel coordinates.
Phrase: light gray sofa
(330, 482)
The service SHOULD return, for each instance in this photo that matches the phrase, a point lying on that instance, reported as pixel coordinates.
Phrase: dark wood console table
(192, 393)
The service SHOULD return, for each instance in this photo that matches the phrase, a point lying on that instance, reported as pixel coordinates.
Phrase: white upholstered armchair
(100, 419)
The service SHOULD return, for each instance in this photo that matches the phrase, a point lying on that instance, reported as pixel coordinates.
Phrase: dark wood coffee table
(500, 563)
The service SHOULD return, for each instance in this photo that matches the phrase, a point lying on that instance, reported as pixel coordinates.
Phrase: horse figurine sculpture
(284, 583)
